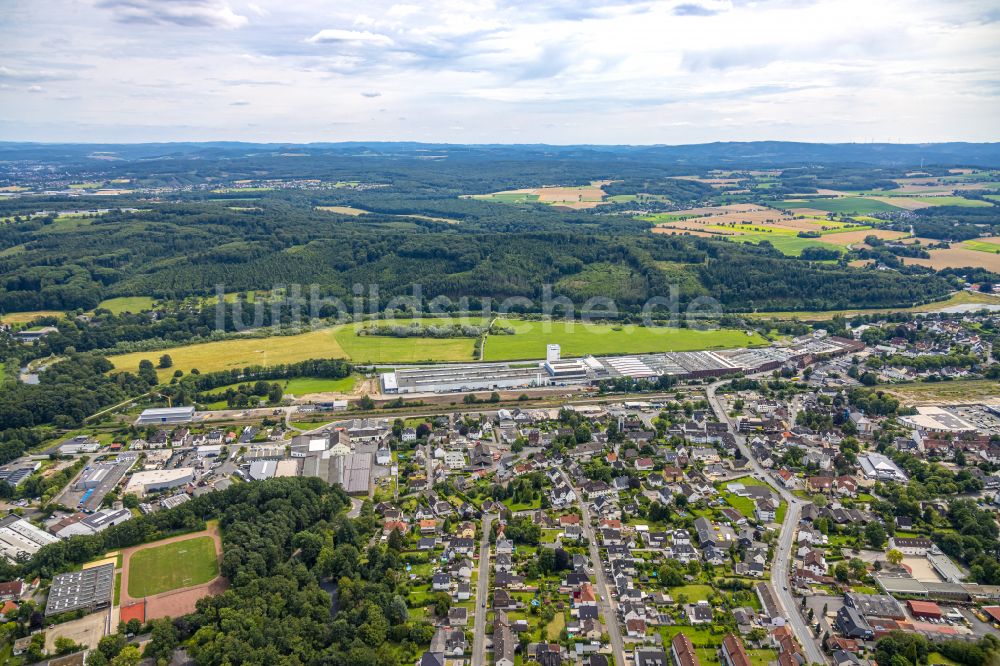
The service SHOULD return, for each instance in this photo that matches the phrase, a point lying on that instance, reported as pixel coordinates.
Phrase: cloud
(35, 89)
(240, 102)
(700, 9)
(371, 93)
(186, 13)
(9, 74)
(337, 36)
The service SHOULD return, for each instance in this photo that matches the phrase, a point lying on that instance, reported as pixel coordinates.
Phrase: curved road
(780, 569)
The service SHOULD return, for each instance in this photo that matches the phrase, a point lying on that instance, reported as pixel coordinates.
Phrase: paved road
(605, 600)
(482, 592)
(783, 553)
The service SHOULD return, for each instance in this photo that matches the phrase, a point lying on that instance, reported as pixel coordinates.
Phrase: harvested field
(343, 210)
(958, 256)
(909, 203)
(956, 392)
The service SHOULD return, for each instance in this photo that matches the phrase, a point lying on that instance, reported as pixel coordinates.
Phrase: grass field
(376, 349)
(331, 342)
(949, 201)
(859, 205)
(127, 304)
(577, 339)
(789, 245)
(171, 566)
(991, 245)
(304, 385)
(959, 298)
(26, 317)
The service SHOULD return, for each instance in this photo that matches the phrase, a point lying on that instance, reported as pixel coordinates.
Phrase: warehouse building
(20, 538)
(162, 415)
(154, 481)
(88, 590)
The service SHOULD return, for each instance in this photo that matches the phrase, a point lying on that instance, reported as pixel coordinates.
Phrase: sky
(500, 71)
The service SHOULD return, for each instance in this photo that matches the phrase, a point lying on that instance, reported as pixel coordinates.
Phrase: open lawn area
(170, 566)
(578, 339)
(692, 592)
(742, 504)
(305, 385)
(127, 304)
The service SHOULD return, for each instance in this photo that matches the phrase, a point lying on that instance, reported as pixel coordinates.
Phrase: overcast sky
(505, 71)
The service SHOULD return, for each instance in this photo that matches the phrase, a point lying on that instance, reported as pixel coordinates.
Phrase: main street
(482, 592)
(605, 600)
(783, 552)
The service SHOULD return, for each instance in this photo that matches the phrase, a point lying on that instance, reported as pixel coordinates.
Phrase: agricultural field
(131, 304)
(958, 256)
(330, 342)
(377, 349)
(27, 317)
(846, 238)
(844, 205)
(787, 244)
(991, 244)
(581, 196)
(343, 210)
(172, 566)
(578, 339)
(239, 353)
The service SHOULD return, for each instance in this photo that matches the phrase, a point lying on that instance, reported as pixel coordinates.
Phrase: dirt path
(173, 602)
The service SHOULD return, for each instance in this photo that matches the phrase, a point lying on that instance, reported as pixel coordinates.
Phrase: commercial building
(877, 467)
(89, 590)
(163, 415)
(262, 469)
(94, 523)
(153, 481)
(924, 609)
(20, 538)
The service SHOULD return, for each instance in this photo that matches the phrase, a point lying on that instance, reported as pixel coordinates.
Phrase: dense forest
(493, 252)
(288, 550)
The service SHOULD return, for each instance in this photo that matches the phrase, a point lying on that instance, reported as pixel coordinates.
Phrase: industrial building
(162, 415)
(18, 537)
(88, 590)
(555, 370)
(153, 481)
(94, 523)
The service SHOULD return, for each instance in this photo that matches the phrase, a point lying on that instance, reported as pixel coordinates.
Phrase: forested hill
(726, 154)
(471, 248)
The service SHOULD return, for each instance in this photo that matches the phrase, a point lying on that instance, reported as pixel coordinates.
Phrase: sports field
(127, 304)
(578, 339)
(172, 566)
